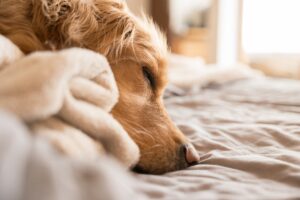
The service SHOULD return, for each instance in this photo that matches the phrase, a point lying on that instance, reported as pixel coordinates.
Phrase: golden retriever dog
(137, 53)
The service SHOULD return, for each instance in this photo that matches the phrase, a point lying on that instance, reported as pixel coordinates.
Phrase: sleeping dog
(137, 53)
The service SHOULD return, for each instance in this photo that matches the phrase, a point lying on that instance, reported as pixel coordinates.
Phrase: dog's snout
(189, 154)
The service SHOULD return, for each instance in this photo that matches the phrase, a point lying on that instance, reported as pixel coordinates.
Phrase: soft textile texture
(248, 134)
(191, 74)
(65, 96)
(30, 169)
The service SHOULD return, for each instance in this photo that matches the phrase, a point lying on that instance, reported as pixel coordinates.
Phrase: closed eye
(149, 77)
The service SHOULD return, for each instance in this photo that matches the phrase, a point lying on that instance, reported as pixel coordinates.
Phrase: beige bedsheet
(248, 134)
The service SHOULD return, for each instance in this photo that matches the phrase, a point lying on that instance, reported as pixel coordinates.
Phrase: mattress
(248, 135)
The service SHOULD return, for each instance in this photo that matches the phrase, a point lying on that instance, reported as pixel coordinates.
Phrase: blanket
(32, 169)
(248, 133)
(66, 97)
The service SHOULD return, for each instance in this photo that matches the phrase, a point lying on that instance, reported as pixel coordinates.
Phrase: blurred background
(263, 34)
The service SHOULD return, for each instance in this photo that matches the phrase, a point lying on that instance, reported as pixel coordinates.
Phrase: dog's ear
(116, 27)
(54, 10)
(102, 25)
(64, 23)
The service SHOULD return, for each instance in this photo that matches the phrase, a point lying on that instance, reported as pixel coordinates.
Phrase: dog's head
(137, 52)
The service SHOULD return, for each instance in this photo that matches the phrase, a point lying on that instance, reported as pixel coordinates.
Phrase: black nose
(188, 155)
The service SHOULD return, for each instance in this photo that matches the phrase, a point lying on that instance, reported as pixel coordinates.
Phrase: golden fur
(131, 45)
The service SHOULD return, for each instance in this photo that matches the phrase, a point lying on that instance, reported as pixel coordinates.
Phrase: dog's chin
(143, 169)
(178, 164)
(147, 170)
(138, 169)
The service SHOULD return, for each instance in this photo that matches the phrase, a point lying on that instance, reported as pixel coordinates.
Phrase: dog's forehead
(153, 38)
(158, 53)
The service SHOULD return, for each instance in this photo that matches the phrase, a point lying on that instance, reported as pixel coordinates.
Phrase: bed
(247, 132)
(248, 135)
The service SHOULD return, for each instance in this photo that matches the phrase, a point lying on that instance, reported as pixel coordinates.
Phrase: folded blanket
(66, 97)
(30, 169)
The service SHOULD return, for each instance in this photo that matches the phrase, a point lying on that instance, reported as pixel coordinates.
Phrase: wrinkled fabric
(65, 96)
(31, 169)
(247, 133)
(248, 136)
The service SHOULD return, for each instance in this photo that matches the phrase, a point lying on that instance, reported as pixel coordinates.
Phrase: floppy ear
(100, 25)
(54, 10)
(64, 23)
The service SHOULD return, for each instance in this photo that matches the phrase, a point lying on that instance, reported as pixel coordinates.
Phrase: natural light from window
(271, 26)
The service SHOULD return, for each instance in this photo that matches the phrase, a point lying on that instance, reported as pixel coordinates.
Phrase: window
(271, 26)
